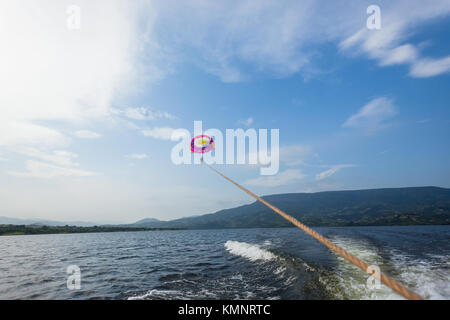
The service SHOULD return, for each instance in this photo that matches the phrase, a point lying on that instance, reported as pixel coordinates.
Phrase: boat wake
(428, 277)
(252, 252)
(261, 270)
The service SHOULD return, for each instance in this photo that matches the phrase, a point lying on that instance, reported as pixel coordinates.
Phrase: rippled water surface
(224, 264)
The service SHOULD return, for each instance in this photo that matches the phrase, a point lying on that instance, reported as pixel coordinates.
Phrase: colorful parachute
(202, 144)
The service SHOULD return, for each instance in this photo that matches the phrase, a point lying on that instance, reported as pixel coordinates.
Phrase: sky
(90, 92)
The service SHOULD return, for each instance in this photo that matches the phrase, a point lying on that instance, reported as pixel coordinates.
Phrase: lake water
(225, 264)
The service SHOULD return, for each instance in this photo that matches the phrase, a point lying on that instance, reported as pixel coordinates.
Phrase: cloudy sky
(88, 101)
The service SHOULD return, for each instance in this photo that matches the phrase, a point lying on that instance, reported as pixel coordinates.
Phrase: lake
(282, 263)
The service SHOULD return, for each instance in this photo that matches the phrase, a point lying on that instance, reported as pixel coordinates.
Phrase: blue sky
(86, 114)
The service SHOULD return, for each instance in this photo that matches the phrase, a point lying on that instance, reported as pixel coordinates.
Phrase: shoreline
(45, 230)
(28, 230)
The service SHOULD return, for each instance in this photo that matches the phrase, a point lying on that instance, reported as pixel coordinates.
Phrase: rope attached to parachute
(391, 283)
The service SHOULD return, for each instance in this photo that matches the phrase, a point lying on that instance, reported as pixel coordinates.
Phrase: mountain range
(43, 222)
(375, 207)
(396, 206)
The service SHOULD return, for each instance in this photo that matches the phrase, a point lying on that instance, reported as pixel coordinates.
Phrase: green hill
(399, 206)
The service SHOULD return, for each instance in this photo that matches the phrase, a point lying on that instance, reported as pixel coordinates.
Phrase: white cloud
(85, 134)
(272, 37)
(281, 38)
(400, 19)
(161, 133)
(60, 157)
(295, 154)
(425, 68)
(138, 156)
(50, 73)
(142, 113)
(22, 132)
(98, 63)
(248, 122)
(399, 55)
(108, 57)
(225, 72)
(283, 178)
(290, 155)
(373, 116)
(333, 169)
(38, 169)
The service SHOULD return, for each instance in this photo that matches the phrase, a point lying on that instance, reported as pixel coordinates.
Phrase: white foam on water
(280, 270)
(352, 282)
(308, 267)
(267, 243)
(237, 286)
(290, 280)
(156, 294)
(249, 251)
(429, 278)
(237, 277)
(175, 294)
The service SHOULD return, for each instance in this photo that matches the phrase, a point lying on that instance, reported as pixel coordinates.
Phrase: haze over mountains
(397, 206)
(43, 222)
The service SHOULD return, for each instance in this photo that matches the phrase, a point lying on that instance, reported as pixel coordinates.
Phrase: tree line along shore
(11, 230)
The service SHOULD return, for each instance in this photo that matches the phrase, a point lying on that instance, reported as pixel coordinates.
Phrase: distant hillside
(147, 220)
(400, 206)
(15, 230)
(42, 222)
